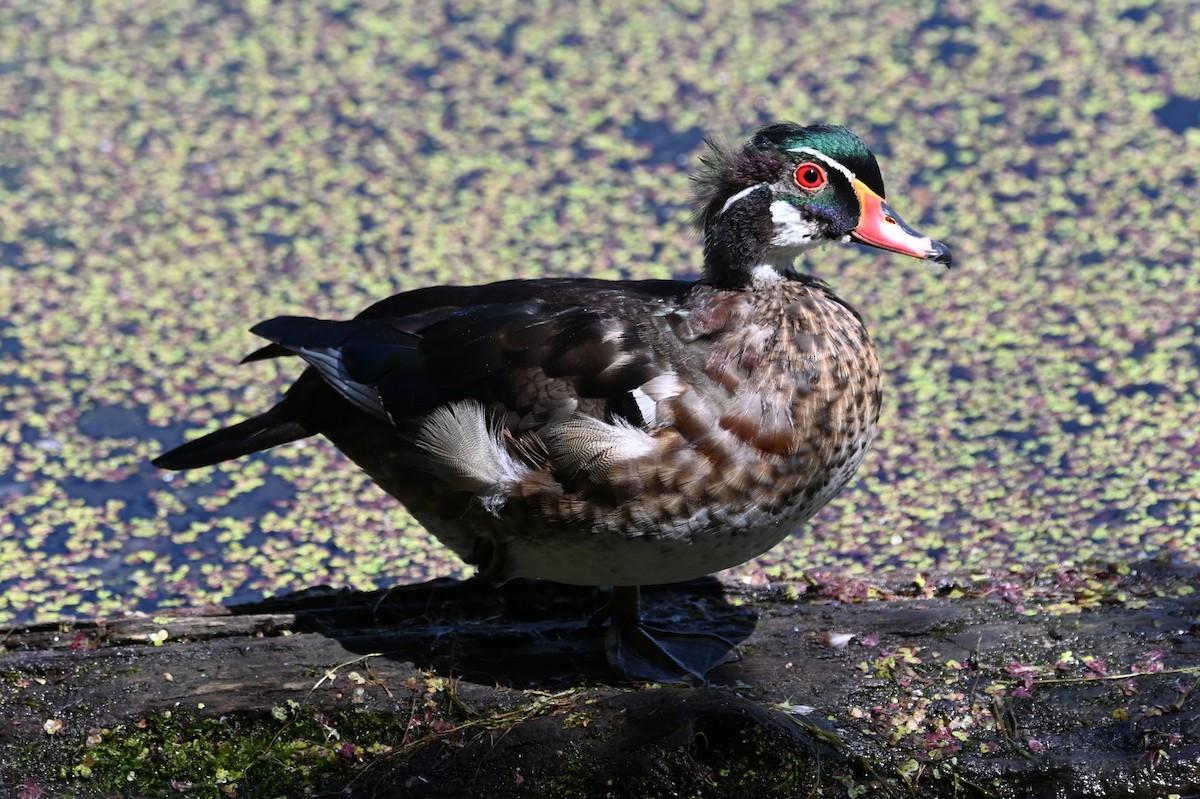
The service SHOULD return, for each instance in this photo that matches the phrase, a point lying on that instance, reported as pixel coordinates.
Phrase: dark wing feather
(509, 345)
(266, 353)
(495, 353)
(370, 350)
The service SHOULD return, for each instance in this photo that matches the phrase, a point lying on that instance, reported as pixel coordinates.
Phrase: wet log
(1068, 685)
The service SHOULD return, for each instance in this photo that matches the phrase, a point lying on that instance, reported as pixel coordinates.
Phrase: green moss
(295, 751)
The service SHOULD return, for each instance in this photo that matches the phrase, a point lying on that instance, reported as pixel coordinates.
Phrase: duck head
(791, 188)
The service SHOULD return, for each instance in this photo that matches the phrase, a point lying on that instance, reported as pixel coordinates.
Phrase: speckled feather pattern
(780, 394)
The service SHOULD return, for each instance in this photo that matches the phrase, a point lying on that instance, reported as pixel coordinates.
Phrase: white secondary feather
(665, 386)
(469, 454)
(647, 407)
(592, 446)
(650, 395)
(328, 361)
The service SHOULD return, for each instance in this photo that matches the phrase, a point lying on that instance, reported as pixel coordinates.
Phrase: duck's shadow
(524, 634)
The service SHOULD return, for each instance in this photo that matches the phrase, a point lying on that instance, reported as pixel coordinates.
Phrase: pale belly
(614, 559)
(706, 542)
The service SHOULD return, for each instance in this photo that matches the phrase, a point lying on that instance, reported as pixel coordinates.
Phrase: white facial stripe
(839, 167)
(737, 197)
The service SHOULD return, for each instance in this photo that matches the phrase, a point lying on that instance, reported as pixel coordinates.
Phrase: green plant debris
(293, 751)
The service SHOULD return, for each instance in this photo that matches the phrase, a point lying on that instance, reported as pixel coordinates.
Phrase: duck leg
(639, 651)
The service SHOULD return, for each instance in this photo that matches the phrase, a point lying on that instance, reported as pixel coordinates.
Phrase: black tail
(253, 435)
(294, 418)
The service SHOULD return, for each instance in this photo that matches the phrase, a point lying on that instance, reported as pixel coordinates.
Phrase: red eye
(810, 176)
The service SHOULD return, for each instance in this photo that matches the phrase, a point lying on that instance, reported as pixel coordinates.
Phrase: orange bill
(880, 226)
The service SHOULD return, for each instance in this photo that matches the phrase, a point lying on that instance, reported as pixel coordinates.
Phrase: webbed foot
(639, 651)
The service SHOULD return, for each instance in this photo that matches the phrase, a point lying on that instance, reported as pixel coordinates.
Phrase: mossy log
(1070, 685)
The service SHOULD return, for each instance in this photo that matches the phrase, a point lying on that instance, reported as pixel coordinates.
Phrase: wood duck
(617, 433)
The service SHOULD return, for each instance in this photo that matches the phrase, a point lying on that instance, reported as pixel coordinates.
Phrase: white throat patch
(792, 230)
(765, 273)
